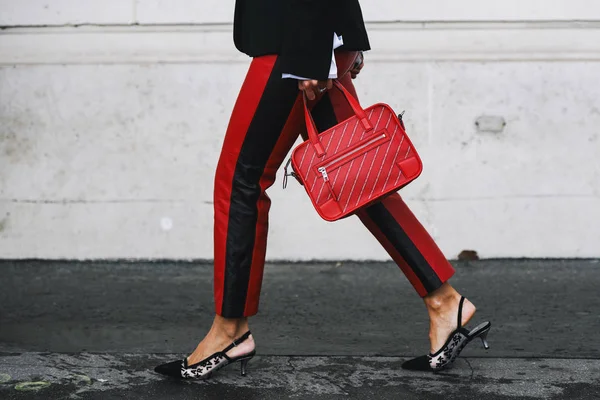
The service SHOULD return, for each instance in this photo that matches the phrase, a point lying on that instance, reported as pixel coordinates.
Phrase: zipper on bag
(325, 177)
(351, 154)
(323, 172)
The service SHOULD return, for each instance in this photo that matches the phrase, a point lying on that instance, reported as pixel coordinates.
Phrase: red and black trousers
(265, 123)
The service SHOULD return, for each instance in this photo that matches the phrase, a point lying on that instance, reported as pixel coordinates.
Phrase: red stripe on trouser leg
(293, 127)
(241, 117)
(389, 247)
(402, 215)
(419, 236)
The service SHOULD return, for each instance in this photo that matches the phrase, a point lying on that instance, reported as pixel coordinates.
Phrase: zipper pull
(285, 173)
(323, 172)
(401, 119)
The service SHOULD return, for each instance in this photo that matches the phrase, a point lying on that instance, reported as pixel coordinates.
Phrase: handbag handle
(313, 134)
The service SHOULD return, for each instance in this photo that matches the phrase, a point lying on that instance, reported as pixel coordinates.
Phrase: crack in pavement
(325, 376)
(470, 366)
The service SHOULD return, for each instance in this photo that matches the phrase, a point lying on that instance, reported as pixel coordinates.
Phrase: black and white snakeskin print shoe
(456, 342)
(205, 368)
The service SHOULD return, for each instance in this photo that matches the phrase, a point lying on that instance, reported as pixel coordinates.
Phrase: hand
(313, 87)
(360, 63)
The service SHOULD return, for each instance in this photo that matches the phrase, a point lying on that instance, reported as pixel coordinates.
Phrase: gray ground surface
(95, 330)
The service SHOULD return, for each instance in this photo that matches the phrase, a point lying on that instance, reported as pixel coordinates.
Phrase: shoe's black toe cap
(172, 369)
(417, 364)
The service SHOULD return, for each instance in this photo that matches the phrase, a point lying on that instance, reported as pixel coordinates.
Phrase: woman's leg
(404, 238)
(263, 127)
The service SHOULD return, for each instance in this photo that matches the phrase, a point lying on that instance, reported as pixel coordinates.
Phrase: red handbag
(356, 162)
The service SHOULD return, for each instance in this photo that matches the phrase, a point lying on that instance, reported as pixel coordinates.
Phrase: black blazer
(299, 31)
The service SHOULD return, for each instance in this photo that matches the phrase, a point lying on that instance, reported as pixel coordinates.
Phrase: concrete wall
(112, 115)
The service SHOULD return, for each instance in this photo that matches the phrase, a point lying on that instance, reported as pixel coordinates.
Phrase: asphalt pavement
(95, 330)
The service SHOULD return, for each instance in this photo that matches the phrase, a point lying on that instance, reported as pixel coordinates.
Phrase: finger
(308, 84)
(357, 69)
(306, 87)
(322, 87)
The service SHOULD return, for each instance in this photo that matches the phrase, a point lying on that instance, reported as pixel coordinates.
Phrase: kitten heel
(243, 364)
(456, 342)
(484, 341)
(205, 368)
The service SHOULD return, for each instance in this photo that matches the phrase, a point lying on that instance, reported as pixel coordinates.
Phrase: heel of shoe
(484, 341)
(243, 364)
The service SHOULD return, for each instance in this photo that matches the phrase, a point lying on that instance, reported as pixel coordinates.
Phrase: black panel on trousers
(392, 230)
(267, 124)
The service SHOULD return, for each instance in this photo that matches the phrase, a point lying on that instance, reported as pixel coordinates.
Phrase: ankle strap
(237, 341)
(460, 307)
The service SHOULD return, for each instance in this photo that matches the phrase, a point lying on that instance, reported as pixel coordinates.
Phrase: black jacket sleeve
(307, 39)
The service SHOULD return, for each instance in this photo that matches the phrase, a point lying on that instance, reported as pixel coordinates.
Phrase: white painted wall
(60, 12)
(110, 132)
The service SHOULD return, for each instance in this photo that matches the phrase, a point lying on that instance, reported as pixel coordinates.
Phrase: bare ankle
(441, 298)
(230, 327)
